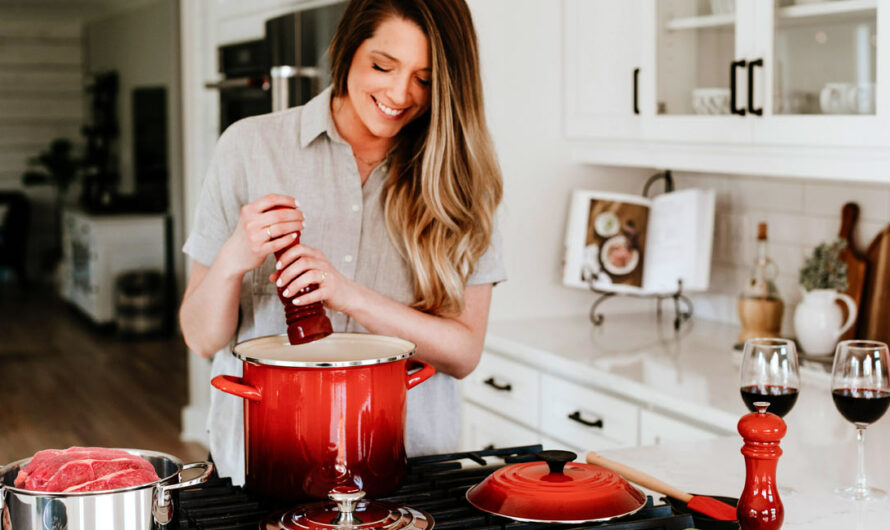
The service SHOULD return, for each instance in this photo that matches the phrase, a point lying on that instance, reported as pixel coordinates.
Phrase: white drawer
(656, 429)
(481, 429)
(505, 387)
(585, 418)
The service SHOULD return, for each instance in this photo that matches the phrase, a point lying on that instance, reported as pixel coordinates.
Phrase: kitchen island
(692, 375)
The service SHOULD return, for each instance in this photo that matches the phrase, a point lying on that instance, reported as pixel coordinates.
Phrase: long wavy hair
(444, 182)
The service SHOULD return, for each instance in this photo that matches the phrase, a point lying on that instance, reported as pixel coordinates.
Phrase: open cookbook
(626, 243)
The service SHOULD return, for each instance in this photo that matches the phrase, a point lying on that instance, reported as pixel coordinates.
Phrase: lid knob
(347, 498)
(556, 460)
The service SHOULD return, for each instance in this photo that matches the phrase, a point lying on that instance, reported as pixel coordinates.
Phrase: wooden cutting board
(855, 260)
(874, 311)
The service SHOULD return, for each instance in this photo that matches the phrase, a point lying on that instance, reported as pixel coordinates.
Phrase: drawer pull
(503, 388)
(576, 416)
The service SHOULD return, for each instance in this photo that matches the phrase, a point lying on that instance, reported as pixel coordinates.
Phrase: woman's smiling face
(389, 79)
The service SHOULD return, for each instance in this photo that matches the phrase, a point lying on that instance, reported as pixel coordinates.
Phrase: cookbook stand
(682, 303)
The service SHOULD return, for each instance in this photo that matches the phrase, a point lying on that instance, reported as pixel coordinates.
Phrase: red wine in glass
(861, 405)
(781, 399)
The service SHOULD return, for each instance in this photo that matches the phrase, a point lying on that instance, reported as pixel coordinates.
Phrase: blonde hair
(444, 184)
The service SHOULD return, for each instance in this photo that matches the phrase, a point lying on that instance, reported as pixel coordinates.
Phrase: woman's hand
(301, 266)
(266, 225)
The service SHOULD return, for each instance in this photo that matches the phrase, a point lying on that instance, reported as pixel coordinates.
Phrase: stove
(435, 484)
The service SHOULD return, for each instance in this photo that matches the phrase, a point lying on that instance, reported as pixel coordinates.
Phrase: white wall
(142, 45)
(40, 100)
(799, 214)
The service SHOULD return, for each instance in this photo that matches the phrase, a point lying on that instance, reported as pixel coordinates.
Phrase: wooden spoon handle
(638, 477)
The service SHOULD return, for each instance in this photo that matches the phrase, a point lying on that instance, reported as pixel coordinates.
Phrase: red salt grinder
(305, 323)
(760, 507)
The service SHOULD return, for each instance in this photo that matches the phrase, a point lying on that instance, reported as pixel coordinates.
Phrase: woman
(395, 183)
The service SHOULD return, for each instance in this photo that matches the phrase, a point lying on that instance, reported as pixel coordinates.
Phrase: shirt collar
(316, 119)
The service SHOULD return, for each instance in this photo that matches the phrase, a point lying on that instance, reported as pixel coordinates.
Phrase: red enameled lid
(556, 490)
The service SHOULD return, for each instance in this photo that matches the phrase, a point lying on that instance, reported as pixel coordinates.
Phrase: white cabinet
(509, 402)
(483, 429)
(822, 81)
(96, 249)
(506, 387)
(748, 86)
(586, 418)
(602, 68)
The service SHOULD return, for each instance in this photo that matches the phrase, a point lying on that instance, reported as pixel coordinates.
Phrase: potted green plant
(818, 322)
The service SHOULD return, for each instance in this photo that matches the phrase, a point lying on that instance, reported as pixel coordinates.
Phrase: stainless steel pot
(146, 507)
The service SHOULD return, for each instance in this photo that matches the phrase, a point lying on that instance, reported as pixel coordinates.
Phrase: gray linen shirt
(298, 152)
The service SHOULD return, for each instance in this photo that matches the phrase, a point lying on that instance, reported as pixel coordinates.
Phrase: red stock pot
(324, 414)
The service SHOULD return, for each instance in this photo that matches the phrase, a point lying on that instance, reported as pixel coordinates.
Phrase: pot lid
(338, 350)
(556, 490)
(348, 510)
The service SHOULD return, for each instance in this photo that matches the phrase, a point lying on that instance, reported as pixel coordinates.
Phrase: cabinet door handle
(493, 384)
(732, 89)
(751, 66)
(576, 416)
(636, 90)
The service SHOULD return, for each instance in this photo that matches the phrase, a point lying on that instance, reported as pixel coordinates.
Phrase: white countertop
(695, 373)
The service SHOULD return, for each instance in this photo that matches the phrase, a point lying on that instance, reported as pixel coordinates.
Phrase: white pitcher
(817, 320)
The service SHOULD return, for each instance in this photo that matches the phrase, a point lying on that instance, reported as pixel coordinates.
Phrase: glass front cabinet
(767, 73)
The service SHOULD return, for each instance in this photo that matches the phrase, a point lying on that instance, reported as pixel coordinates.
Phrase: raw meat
(84, 469)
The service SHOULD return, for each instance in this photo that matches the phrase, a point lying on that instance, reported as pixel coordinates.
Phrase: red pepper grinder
(760, 507)
(305, 323)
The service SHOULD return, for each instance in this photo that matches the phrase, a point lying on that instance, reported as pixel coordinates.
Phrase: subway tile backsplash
(800, 215)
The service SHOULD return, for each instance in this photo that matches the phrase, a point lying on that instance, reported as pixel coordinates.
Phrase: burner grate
(435, 484)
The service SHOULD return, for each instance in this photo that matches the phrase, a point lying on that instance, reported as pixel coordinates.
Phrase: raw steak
(92, 468)
(119, 479)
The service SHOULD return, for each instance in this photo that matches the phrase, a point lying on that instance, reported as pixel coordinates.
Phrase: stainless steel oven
(245, 86)
(286, 68)
(298, 53)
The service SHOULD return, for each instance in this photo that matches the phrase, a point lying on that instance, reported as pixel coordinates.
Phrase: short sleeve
(223, 192)
(490, 266)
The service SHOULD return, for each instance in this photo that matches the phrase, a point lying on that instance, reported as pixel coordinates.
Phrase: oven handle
(240, 82)
(286, 72)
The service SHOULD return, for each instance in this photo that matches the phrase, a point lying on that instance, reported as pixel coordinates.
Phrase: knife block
(760, 317)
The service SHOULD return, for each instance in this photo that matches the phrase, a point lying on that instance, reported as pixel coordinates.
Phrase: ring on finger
(323, 276)
(269, 231)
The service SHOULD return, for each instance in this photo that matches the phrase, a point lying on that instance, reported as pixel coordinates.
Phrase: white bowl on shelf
(710, 100)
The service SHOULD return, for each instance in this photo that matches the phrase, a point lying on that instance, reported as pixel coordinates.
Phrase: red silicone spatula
(705, 505)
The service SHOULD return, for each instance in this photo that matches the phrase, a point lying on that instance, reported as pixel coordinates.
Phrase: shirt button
(355, 207)
(348, 258)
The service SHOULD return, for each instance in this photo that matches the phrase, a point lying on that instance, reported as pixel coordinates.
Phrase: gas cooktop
(435, 484)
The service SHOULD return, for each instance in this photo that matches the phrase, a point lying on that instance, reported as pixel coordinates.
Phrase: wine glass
(860, 387)
(770, 373)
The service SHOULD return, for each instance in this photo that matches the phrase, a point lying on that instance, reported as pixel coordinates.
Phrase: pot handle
(235, 386)
(162, 502)
(413, 379)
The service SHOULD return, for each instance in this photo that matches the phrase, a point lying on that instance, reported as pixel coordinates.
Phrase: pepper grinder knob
(347, 498)
(761, 406)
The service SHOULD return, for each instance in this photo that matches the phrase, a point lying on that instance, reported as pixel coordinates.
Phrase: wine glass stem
(861, 485)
